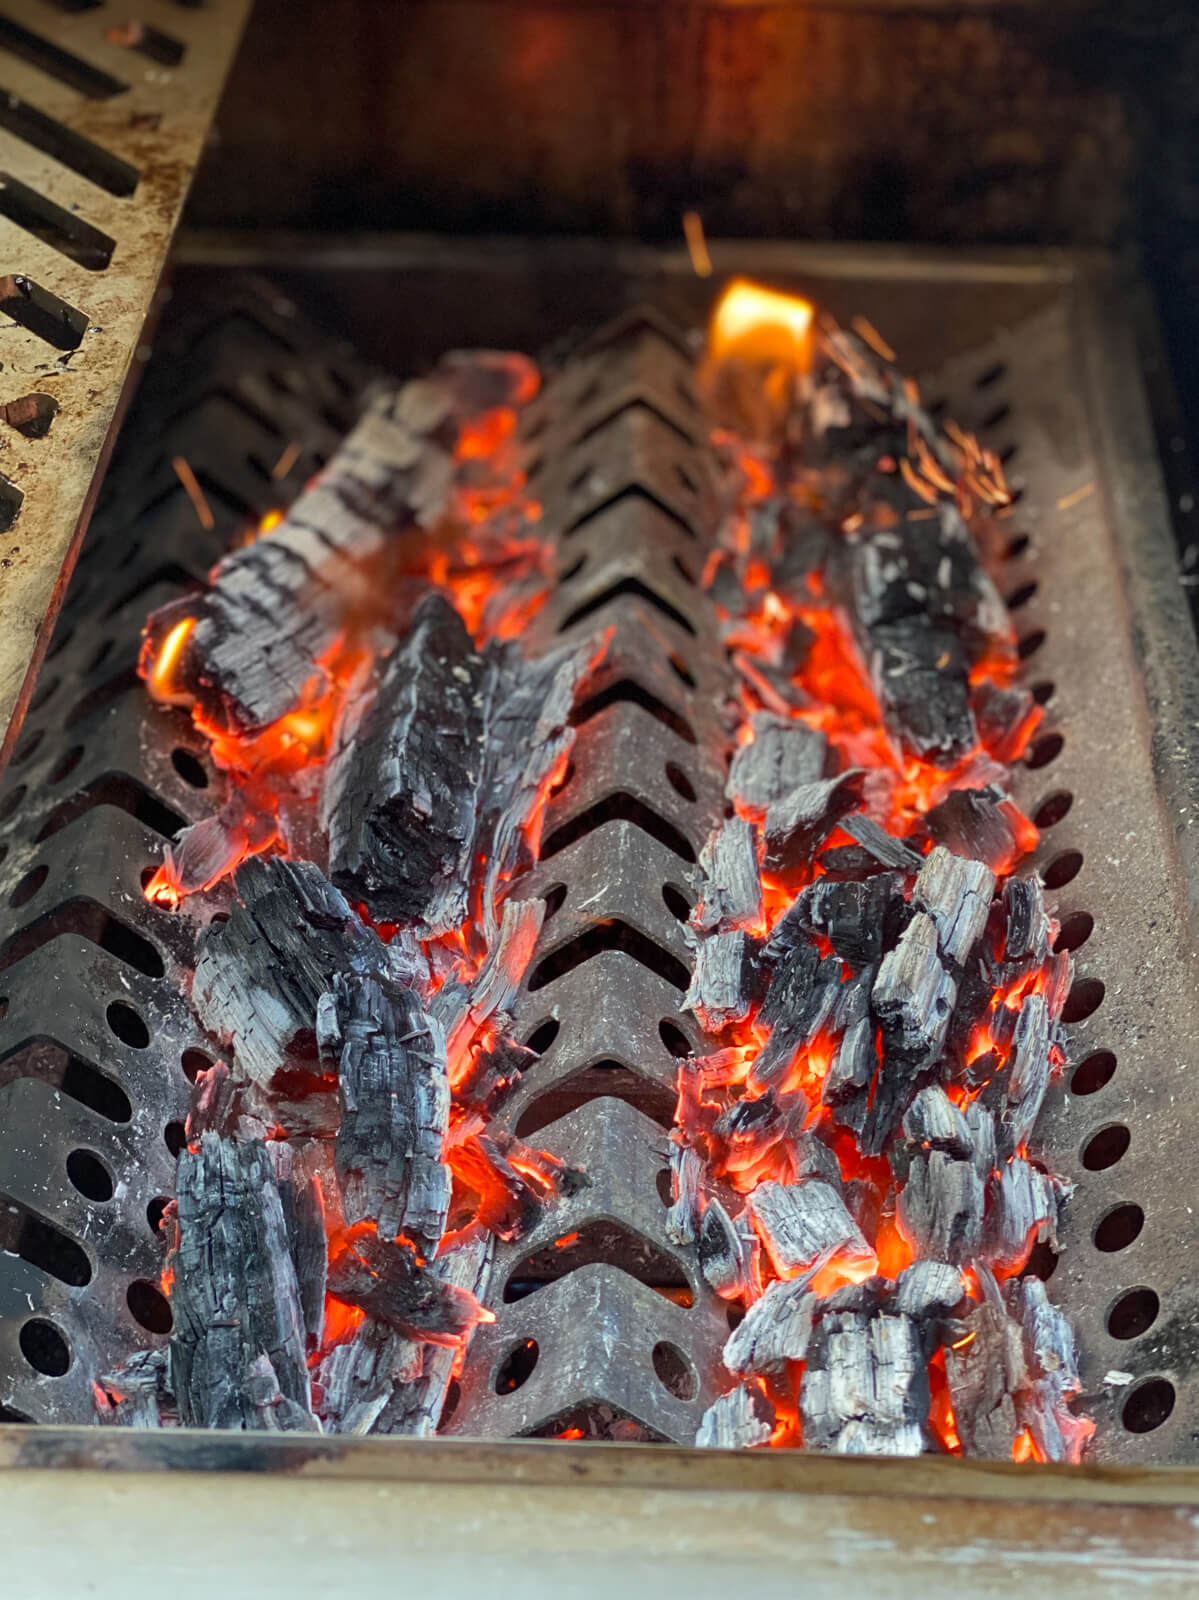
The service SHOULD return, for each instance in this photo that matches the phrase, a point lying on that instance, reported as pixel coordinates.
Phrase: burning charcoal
(885, 850)
(799, 1002)
(956, 893)
(860, 920)
(356, 1379)
(847, 1083)
(237, 1352)
(865, 1385)
(913, 995)
(304, 1217)
(795, 826)
(731, 896)
(941, 1207)
(740, 1419)
(782, 755)
(1028, 1075)
(801, 1222)
(388, 1281)
(774, 1330)
(753, 1125)
(261, 974)
(395, 1104)
(814, 1159)
(981, 1123)
(921, 680)
(135, 1395)
(1053, 1366)
(682, 1219)
(401, 786)
(1023, 1204)
(927, 1290)
(512, 1181)
(934, 1122)
(985, 1369)
(726, 1253)
(1026, 937)
(722, 985)
(494, 1069)
(1006, 718)
(462, 1009)
(976, 823)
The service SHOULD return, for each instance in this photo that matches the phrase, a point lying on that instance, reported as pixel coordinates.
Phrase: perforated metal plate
(102, 121)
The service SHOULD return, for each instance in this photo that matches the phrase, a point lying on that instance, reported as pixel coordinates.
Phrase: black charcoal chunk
(395, 1105)
(941, 1207)
(974, 822)
(1004, 718)
(881, 846)
(739, 1420)
(796, 825)
(401, 787)
(801, 999)
(783, 755)
(928, 1289)
(801, 1223)
(723, 983)
(237, 1351)
(731, 892)
(774, 1330)
(261, 974)
(956, 893)
(920, 676)
(1026, 935)
(913, 994)
(387, 1281)
(726, 1252)
(860, 920)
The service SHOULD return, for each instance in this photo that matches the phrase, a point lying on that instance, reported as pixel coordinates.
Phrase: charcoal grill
(97, 1046)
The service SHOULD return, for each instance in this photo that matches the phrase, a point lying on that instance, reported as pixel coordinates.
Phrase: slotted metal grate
(102, 122)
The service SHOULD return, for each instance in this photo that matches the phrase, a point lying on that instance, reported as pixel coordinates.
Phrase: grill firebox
(96, 1045)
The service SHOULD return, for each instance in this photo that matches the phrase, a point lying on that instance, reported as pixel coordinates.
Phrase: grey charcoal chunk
(913, 994)
(722, 985)
(401, 786)
(782, 755)
(1028, 1076)
(854, 1065)
(237, 1351)
(884, 847)
(261, 974)
(731, 893)
(740, 1419)
(395, 1106)
(776, 1329)
(866, 1381)
(796, 825)
(682, 1219)
(934, 1121)
(136, 1395)
(726, 1252)
(1053, 1366)
(957, 894)
(941, 1207)
(984, 1375)
(981, 1122)
(1023, 1203)
(387, 1281)
(461, 1009)
(860, 919)
(356, 1378)
(1026, 936)
(802, 1223)
(928, 1289)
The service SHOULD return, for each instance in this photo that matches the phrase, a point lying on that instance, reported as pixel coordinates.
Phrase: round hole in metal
(679, 781)
(1022, 595)
(1084, 999)
(1093, 1073)
(664, 1183)
(1103, 1149)
(11, 801)
(28, 886)
(45, 1347)
(1030, 643)
(155, 1212)
(1053, 808)
(1075, 930)
(193, 1063)
(1148, 1405)
(543, 1035)
(150, 1308)
(673, 1037)
(1133, 1314)
(675, 1372)
(517, 1367)
(453, 1395)
(90, 1175)
(1044, 750)
(189, 767)
(1063, 869)
(555, 899)
(1117, 1228)
(676, 902)
(1016, 546)
(681, 670)
(174, 1136)
(28, 746)
(128, 1025)
(67, 763)
(1043, 692)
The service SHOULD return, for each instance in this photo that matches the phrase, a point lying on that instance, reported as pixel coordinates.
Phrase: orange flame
(761, 326)
(159, 676)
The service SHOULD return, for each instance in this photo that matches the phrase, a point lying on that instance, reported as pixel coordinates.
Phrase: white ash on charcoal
(261, 974)
(462, 1007)
(1026, 923)
(302, 1177)
(1022, 1209)
(276, 606)
(727, 1250)
(957, 894)
(730, 887)
(801, 1222)
(401, 785)
(381, 1382)
(724, 981)
(138, 1394)
(776, 1329)
(941, 1206)
(389, 1282)
(913, 1000)
(238, 1348)
(686, 1187)
(864, 1388)
(395, 1105)
(1027, 1076)
(928, 1291)
(748, 1129)
(1053, 1363)
(738, 1420)
(796, 825)
(933, 1122)
(782, 756)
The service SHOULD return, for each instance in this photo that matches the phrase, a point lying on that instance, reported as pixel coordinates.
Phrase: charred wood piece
(723, 984)
(776, 1329)
(726, 1251)
(261, 974)
(802, 1223)
(1053, 1364)
(935, 1123)
(686, 1170)
(860, 920)
(941, 1207)
(956, 893)
(137, 1395)
(865, 1386)
(796, 825)
(801, 999)
(978, 823)
(984, 1374)
(388, 1281)
(921, 678)
(782, 756)
(881, 846)
(731, 894)
(740, 1419)
(913, 994)
(928, 1290)
(1028, 1074)
(1026, 927)
(1023, 1206)
(237, 1351)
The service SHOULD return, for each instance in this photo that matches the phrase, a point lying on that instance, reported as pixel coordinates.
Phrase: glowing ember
(760, 326)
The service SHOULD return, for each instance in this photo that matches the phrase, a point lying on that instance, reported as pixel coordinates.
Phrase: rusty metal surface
(155, 119)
